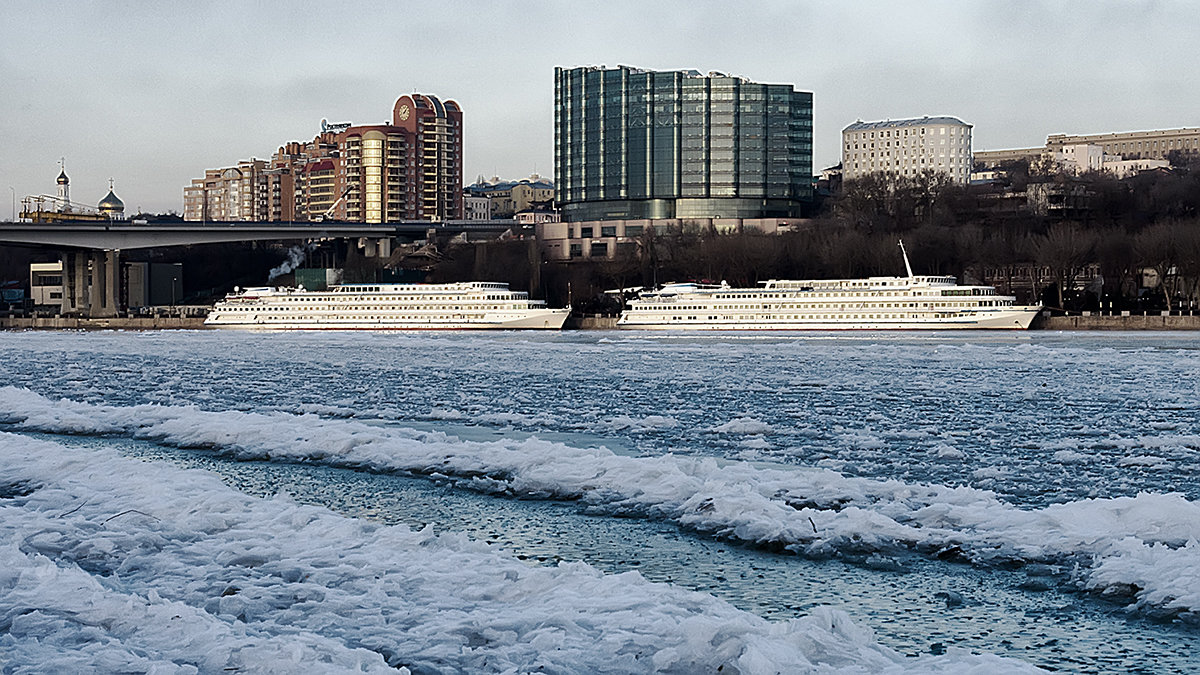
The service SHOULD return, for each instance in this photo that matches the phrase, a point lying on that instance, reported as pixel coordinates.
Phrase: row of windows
(884, 164)
(666, 318)
(393, 318)
(808, 293)
(338, 310)
(811, 306)
(913, 143)
(918, 131)
(955, 152)
(1168, 144)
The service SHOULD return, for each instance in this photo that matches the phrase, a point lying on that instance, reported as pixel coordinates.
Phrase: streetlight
(14, 197)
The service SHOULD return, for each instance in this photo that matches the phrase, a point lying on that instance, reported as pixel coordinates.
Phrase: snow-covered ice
(1049, 463)
(115, 565)
(812, 511)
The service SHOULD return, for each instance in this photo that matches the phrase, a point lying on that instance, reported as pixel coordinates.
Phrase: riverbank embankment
(1130, 321)
(115, 323)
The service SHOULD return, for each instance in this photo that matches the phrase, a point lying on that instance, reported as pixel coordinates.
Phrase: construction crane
(329, 212)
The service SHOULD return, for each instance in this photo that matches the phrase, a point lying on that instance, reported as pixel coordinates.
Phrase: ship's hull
(550, 319)
(1014, 319)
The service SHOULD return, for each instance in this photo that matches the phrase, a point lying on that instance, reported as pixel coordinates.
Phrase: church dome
(111, 204)
(62, 178)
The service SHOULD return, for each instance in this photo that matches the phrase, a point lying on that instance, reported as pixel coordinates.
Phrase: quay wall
(116, 323)
(1118, 322)
(590, 322)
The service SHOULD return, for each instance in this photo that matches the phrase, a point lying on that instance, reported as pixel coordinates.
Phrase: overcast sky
(152, 93)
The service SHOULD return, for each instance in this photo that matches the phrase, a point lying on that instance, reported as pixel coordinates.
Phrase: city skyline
(152, 97)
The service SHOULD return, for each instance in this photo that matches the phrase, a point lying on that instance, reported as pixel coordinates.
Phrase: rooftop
(914, 122)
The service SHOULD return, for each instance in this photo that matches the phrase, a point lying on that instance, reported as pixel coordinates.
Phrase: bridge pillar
(91, 283)
(375, 248)
(112, 282)
(75, 286)
(102, 300)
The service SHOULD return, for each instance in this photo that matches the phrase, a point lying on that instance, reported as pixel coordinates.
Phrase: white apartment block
(477, 208)
(908, 147)
(1082, 158)
(1089, 157)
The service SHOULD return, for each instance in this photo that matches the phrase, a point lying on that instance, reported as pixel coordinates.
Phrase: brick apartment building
(409, 169)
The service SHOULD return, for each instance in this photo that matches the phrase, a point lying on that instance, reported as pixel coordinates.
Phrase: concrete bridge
(95, 247)
(123, 235)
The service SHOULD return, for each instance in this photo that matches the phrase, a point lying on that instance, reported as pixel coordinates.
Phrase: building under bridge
(90, 266)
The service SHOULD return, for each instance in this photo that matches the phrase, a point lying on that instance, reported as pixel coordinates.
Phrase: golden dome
(111, 204)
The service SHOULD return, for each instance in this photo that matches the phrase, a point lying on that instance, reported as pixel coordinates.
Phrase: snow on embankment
(110, 564)
(1143, 545)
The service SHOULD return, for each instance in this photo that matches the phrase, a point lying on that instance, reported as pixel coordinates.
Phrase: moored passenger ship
(875, 303)
(471, 305)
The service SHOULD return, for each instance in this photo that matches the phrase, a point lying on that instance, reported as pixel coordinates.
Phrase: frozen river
(1031, 496)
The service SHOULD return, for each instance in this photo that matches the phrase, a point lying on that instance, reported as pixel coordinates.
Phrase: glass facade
(633, 144)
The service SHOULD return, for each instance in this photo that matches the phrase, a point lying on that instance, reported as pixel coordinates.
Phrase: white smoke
(295, 256)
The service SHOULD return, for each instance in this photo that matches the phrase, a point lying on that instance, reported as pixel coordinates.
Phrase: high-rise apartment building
(303, 178)
(632, 143)
(232, 193)
(376, 182)
(908, 147)
(435, 127)
(410, 169)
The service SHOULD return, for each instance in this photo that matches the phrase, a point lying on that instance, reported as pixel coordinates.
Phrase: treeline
(1066, 266)
(1111, 244)
(1063, 265)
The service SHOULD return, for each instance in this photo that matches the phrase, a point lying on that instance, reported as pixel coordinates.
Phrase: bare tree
(1188, 262)
(1118, 263)
(1157, 247)
(1066, 249)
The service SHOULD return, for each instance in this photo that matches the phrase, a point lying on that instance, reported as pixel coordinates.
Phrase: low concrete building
(46, 283)
(535, 216)
(1135, 144)
(1123, 145)
(990, 159)
(1124, 168)
(144, 284)
(509, 197)
(477, 208)
(610, 239)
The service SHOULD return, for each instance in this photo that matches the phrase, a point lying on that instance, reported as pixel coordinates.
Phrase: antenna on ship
(907, 267)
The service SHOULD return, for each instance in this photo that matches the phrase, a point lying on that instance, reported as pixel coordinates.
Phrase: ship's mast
(907, 267)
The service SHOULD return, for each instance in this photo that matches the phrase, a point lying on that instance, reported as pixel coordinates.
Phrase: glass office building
(632, 144)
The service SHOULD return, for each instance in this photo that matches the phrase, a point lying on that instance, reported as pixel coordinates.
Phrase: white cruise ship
(472, 305)
(876, 303)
